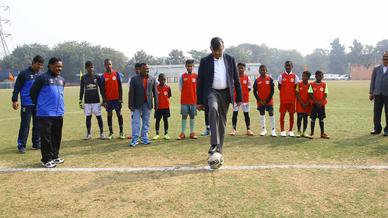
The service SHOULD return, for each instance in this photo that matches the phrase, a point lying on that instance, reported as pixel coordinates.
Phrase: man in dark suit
(379, 93)
(216, 83)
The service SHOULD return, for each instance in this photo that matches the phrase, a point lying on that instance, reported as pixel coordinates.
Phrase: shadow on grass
(377, 144)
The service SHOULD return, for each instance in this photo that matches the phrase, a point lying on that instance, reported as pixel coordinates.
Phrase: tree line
(74, 54)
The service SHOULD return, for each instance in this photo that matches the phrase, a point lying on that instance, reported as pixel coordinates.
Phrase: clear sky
(157, 26)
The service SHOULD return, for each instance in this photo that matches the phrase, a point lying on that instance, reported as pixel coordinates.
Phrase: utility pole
(4, 51)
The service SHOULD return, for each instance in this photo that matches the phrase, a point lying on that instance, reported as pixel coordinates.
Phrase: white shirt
(219, 81)
(385, 69)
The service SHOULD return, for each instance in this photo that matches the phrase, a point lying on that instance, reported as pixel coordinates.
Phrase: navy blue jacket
(206, 77)
(23, 85)
(47, 94)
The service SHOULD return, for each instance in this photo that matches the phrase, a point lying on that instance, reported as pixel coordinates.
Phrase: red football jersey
(287, 89)
(111, 85)
(164, 94)
(319, 91)
(303, 90)
(264, 89)
(245, 86)
(189, 88)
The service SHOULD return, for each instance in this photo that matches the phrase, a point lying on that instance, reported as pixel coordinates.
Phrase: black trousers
(50, 137)
(26, 113)
(380, 101)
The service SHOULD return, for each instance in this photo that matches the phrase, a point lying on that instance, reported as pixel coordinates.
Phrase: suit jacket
(136, 92)
(206, 77)
(379, 82)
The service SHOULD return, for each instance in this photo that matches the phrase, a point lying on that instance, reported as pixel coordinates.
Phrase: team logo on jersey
(184, 79)
(244, 82)
(259, 82)
(165, 93)
(321, 89)
(292, 80)
(193, 80)
(114, 77)
(267, 82)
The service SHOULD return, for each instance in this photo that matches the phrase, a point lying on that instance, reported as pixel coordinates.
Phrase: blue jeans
(26, 112)
(142, 114)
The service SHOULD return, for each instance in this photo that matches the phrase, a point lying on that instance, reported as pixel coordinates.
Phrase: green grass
(234, 193)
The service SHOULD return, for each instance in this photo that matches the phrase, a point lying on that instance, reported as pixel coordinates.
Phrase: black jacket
(206, 77)
(136, 93)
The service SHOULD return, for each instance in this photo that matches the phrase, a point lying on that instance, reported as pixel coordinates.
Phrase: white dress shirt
(385, 69)
(219, 81)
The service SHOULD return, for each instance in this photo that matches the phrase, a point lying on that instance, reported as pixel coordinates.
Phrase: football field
(262, 176)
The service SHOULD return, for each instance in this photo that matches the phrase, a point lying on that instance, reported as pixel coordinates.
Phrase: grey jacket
(136, 93)
(379, 82)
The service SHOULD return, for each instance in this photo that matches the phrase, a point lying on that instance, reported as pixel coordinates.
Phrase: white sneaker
(263, 132)
(283, 134)
(291, 133)
(88, 136)
(273, 133)
(102, 136)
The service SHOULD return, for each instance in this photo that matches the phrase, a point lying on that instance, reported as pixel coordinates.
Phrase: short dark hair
(54, 60)
(262, 66)
(241, 64)
(137, 65)
(88, 64)
(161, 75)
(307, 73)
(189, 61)
(216, 43)
(318, 72)
(106, 60)
(289, 62)
(142, 64)
(38, 59)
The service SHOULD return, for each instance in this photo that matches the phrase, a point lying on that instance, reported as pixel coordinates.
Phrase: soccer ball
(215, 160)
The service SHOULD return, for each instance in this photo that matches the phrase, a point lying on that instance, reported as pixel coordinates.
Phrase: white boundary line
(200, 168)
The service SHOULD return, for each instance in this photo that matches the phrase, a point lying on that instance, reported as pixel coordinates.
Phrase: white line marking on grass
(200, 168)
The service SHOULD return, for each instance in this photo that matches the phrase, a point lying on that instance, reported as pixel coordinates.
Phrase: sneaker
(88, 137)
(133, 143)
(263, 132)
(273, 133)
(50, 164)
(58, 160)
(291, 133)
(233, 133)
(283, 134)
(102, 136)
(305, 135)
(35, 147)
(193, 135)
(298, 134)
(249, 132)
(145, 141)
(110, 137)
(205, 133)
(21, 150)
(167, 137)
(325, 136)
(156, 137)
(122, 136)
(181, 136)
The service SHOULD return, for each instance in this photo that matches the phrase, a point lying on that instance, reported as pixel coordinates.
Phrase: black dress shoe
(374, 132)
(212, 149)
